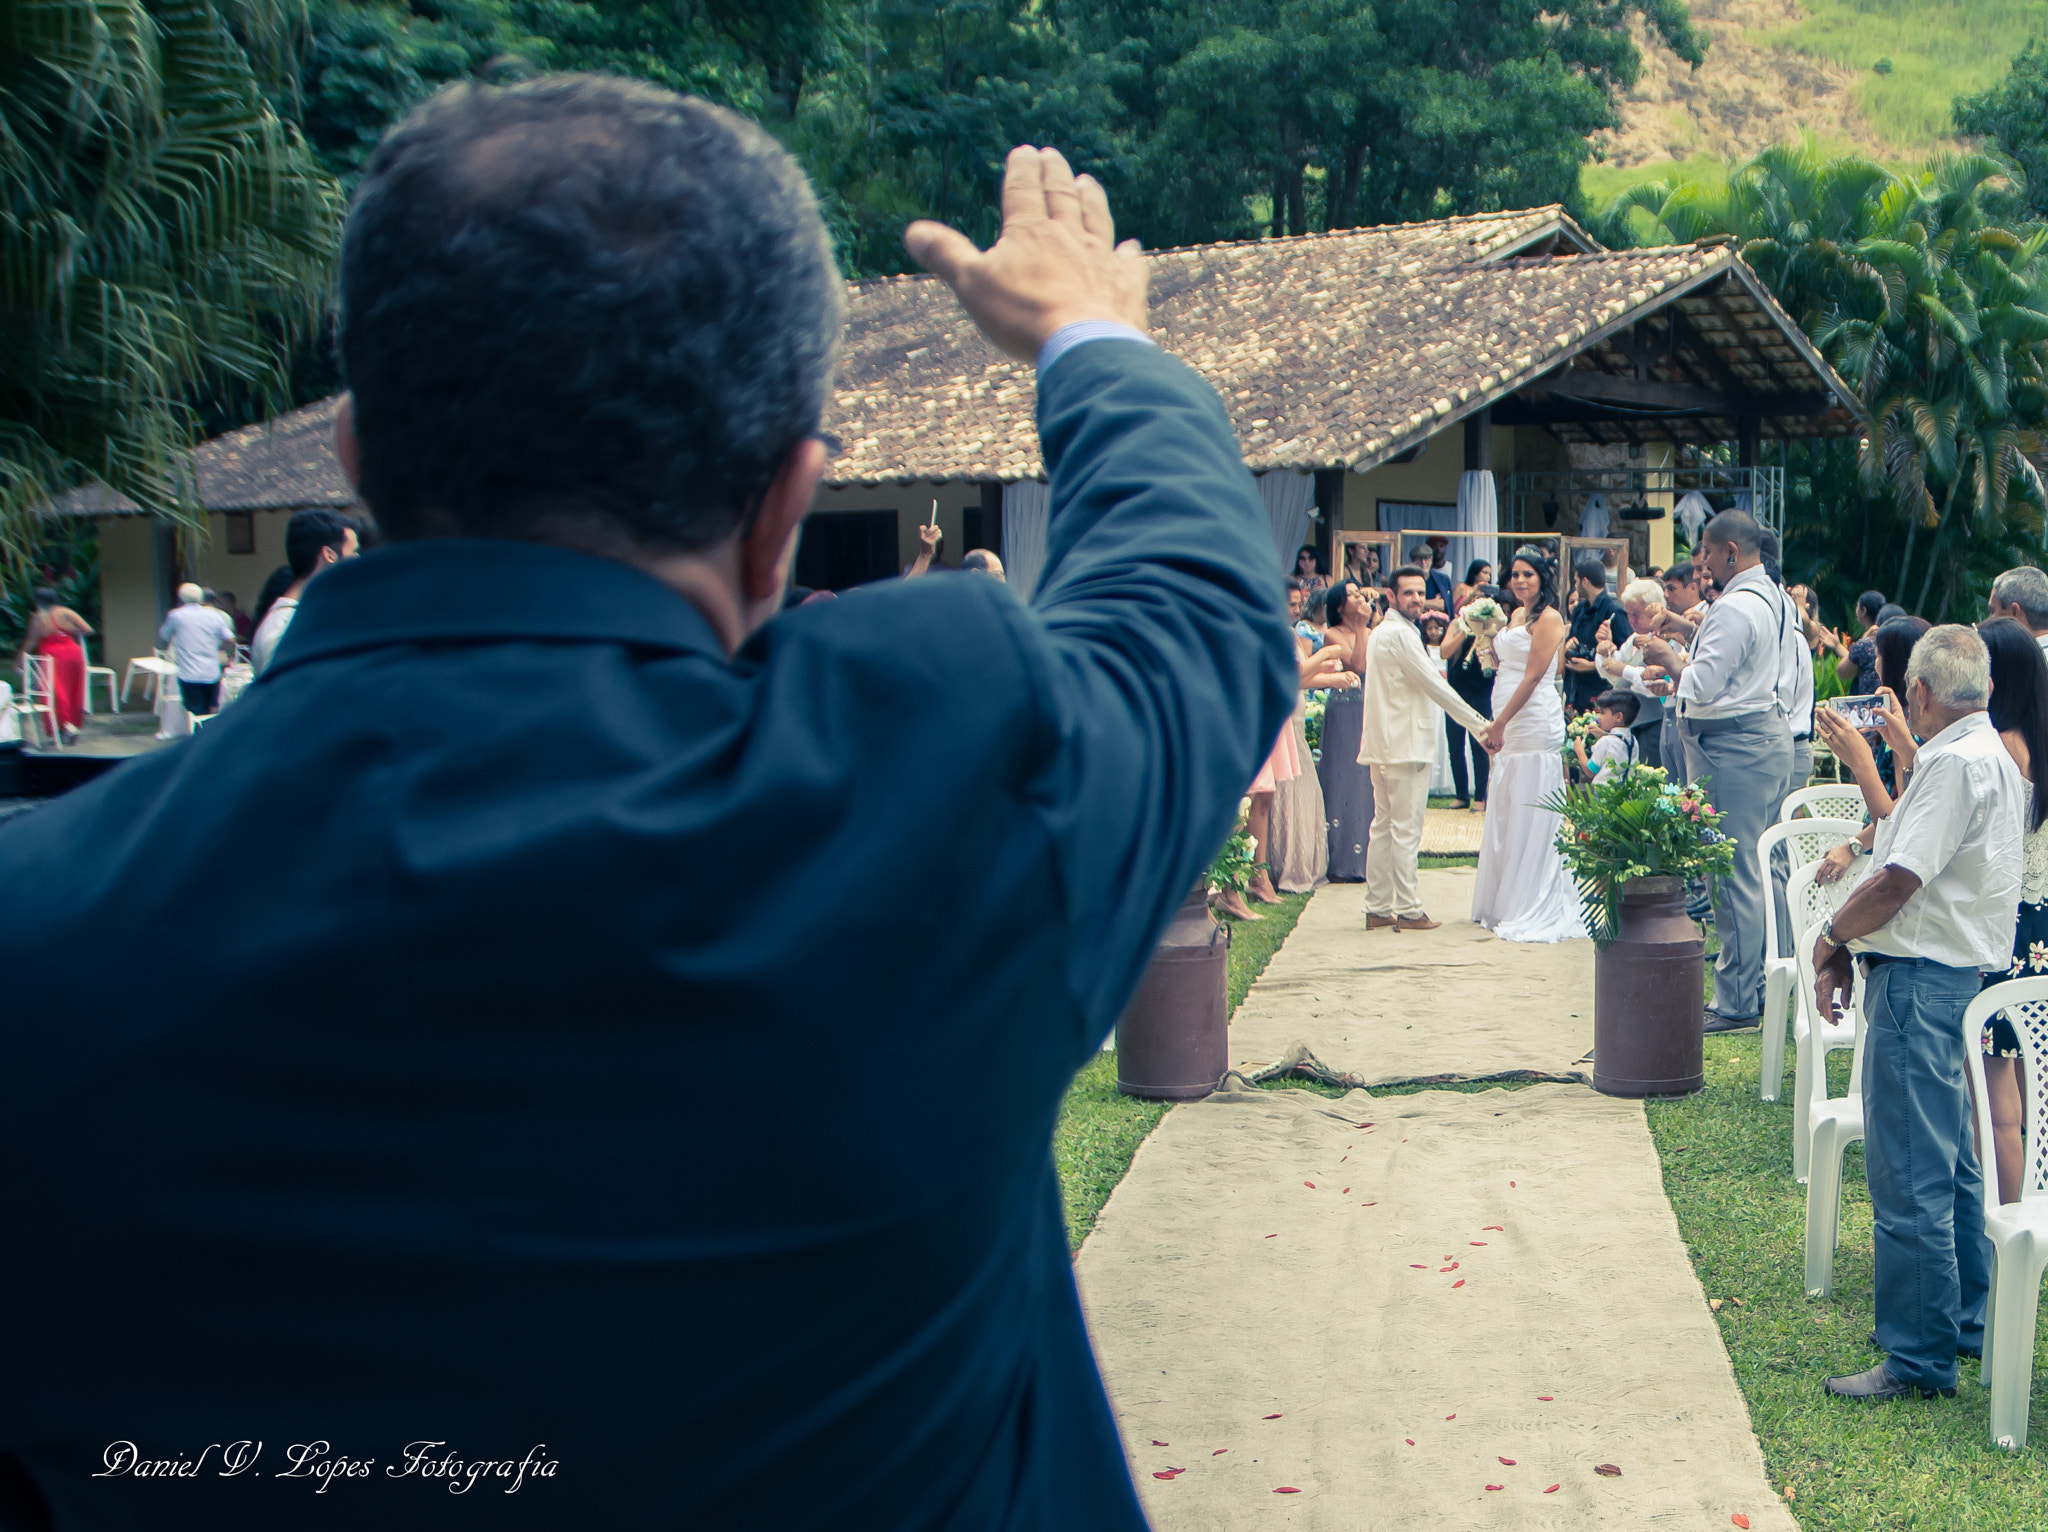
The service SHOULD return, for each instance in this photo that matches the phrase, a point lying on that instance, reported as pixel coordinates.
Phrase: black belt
(1800, 739)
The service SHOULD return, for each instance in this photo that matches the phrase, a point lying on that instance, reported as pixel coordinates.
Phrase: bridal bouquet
(1484, 619)
(1639, 825)
(1584, 727)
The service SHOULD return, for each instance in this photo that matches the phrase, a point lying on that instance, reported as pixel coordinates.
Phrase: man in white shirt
(1935, 915)
(1622, 666)
(2022, 594)
(198, 636)
(312, 541)
(1398, 740)
(1734, 698)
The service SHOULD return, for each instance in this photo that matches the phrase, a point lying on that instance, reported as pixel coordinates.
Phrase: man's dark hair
(1624, 703)
(1590, 566)
(46, 595)
(310, 531)
(1869, 604)
(1679, 573)
(1394, 579)
(582, 300)
(1767, 551)
(1737, 527)
(1888, 611)
(279, 582)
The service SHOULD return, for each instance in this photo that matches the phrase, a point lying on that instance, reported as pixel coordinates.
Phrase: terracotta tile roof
(285, 464)
(1339, 350)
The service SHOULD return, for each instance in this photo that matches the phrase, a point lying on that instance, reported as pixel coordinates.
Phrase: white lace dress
(1523, 893)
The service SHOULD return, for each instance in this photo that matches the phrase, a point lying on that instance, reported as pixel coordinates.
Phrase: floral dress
(2029, 941)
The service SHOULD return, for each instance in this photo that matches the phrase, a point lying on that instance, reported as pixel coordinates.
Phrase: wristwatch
(1827, 933)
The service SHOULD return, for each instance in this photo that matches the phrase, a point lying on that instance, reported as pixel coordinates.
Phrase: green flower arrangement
(1236, 864)
(1639, 825)
(1584, 727)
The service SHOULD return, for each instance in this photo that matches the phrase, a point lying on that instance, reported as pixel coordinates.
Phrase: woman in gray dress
(1347, 786)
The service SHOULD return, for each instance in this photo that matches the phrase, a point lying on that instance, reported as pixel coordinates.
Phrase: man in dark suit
(1596, 607)
(445, 1178)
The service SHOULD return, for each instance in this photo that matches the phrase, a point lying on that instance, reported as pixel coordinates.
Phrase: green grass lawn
(1099, 1128)
(1925, 1464)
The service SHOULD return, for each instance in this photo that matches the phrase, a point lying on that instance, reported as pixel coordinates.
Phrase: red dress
(67, 677)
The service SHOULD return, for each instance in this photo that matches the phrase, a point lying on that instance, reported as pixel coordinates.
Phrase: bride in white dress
(1523, 893)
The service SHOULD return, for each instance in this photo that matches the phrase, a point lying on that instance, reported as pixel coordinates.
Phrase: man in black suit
(1596, 606)
(444, 1177)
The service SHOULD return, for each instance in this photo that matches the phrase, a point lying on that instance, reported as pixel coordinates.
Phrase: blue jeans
(1926, 1189)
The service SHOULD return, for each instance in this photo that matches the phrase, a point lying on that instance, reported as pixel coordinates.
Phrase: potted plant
(1631, 843)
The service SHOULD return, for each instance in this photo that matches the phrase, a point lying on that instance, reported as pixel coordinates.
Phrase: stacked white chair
(1833, 1123)
(1805, 840)
(1826, 800)
(1813, 1037)
(2018, 1231)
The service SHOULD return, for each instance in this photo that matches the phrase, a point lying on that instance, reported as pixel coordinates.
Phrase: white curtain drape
(1478, 516)
(1027, 506)
(1288, 494)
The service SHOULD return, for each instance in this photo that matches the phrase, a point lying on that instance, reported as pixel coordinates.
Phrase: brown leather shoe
(1379, 922)
(1416, 923)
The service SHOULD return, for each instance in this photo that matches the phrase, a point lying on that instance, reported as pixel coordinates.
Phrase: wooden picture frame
(1381, 544)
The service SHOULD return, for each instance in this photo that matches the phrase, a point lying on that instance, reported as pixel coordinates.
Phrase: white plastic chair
(2018, 1231)
(98, 673)
(1829, 800)
(1813, 1038)
(1805, 840)
(1833, 1123)
(38, 702)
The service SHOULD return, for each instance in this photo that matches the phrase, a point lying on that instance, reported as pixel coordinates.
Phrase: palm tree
(161, 231)
(1936, 312)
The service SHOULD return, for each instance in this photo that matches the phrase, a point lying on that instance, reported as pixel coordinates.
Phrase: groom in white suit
(1403, 694)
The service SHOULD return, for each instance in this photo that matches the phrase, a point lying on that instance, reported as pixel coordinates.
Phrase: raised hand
(1057, 261)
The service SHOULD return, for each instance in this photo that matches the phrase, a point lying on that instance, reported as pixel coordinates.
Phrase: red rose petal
(1409, 1440)
(1496, 1228)
(1480, 1242)
(1287, 1489)
(1170, 1473)
(1511, 1183)
(1452, 1416)
(1739, 1519)
(1496, 1486)
(1553, 1489)
(1544, 1398)
(1345, 1193)
(1346, 1157)
(1368, 1204)
(1219, 1452)
(1607, 1470)
(1310, 1185)
(1269, 1417)
(1365, 1125)
(1417, 1266)
(1459, 1283)
(1158, 1443)
(1507, 1462)
(1272, 1236)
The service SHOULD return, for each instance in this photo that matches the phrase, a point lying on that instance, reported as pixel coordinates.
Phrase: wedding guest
(55, 633)
(1347, 782)
(930, 539)
(1478, 574)
(1859, 665)
(199, 638)
(1929, 922)
(1596, 609)
(1298, 841)
(1432, 557)
(984, 561)
(1796, 693)
(1682, 590)
(1308, 568)
(313, 540)
(1297, 600)
(1621, 665)
(1468, 667)
(440, 1183)
(245, 626)
(1614, 747)
(1891, 612)
(2022, 595)
(1734, 699)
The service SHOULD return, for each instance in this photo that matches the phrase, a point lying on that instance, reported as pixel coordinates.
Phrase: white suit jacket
(1403, 694)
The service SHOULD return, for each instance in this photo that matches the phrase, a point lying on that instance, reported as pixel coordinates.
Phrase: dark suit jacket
(517, 1022)
(1581, 687)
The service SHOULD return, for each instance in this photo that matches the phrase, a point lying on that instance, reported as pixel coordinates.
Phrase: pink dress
(1283, 765)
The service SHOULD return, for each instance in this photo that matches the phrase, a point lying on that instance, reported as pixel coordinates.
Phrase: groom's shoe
(1878, 1386)
(1379, 922)
(1716, 1022)
(1416, 923)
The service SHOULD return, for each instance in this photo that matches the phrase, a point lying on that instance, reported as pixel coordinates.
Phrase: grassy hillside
(1778, 67)
(1937, 50)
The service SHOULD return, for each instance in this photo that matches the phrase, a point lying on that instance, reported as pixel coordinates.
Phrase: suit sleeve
(1168, 666)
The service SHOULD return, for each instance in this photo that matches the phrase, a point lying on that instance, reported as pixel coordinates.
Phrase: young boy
(1615, 750)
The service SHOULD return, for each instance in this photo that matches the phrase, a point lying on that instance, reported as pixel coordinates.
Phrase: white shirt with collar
(1624, 667)
(270, 632)
(1740, 657)
(1403, 693)
(2042, 640)
(1960, 829)
(195, 635)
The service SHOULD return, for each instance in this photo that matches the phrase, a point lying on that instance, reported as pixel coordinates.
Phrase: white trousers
(1400, 798)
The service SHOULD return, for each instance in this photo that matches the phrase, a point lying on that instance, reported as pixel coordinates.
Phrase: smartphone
(1865, 714)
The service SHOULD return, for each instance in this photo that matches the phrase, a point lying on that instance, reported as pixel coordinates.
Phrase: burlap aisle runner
(1393, 1005)
(1438, 1310)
